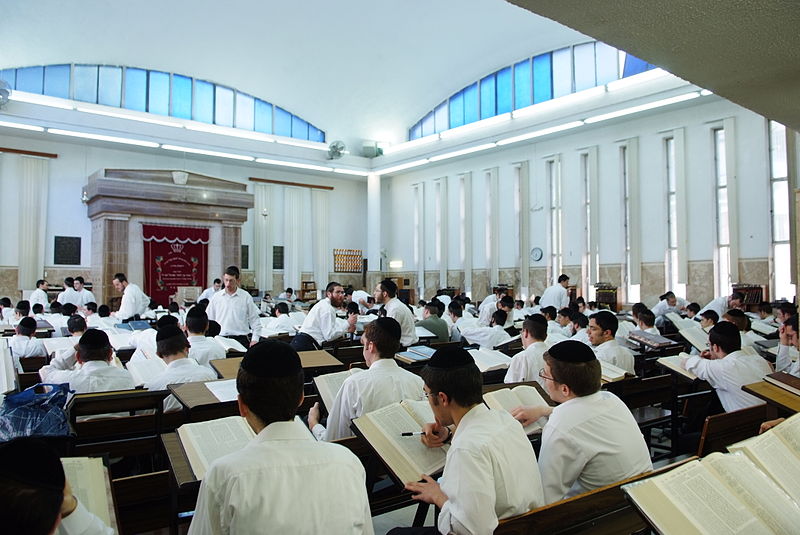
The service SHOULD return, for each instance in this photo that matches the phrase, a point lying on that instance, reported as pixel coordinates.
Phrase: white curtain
(33, 176)
(320, 206)
(293, 235)
(262, 253)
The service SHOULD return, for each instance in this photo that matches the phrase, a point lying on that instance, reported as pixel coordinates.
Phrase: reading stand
(781, 401)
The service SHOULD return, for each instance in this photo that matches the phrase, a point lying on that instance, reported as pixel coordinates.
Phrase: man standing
(134, 301)
(721, 305)
(84, 296)
(209, 292)
(234, 310)
(320, 323)
(556, 295)
(39, 295)
(386, 295)
(69, 295)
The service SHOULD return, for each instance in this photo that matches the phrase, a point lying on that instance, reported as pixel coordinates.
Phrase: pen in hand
(412, 434)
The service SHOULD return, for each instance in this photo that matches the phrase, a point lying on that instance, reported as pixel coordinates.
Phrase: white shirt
(145, 344)
(662, 307)
(489, 337)
(83, 297)
(92, 376)
(134, 301)
(615, 354)
(284, 481)
(554, 327)
(203, 350)
(39, 296)
(582, 335)
(589, 442)
(490, 473)
(82, 522)
(445, 299)
(486, 313)
(727, 375)
(464, 321)
(398, 310)
(526, 364)
(358, 296)
(555, 296)
(26, 346)
(380, 385)
(66, 359)
(183, 370)
(783, 362)
(7, 314)
(69, 295)
(208, 293)
(488, 302)
(283, 324)
(718, 305)
(320, 322)
(287, 297)
(236, 313)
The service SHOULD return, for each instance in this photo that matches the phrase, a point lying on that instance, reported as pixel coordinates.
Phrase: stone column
(231, 244)
(109, 254)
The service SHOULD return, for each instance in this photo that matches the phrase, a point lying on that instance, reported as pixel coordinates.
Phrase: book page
(120, 340)
(7, 378)
(87, 478)
(328, 385)
(52, 345)
(508, 399)
(143, 371)
(425, 351)
(789, 432)
(609, 372)
(490, 359)
(696, 336)
(229, 344)
(205, 442)
(776, 459)
(420, 410)
(762, 495)
(675, 363)
(223, 390)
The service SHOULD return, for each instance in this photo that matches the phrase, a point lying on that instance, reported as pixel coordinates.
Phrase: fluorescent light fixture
(42, 100)
(462, 152)
(643, 107)
(540, 133)
(705, 92)
(233, 132)
(395, 264)
(101, 137)
(560, 102)
(204, 152)
(301, 143)
(294, 164)
(350, 172)
(394, 169)
(129, 116)
(22, 126)
(411, 144)
(646, 76)
(477, 125)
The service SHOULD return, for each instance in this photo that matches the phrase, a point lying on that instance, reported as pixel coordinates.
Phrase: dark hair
(5, 301)
(549, 312)
(271, 399)
(91, 305)
(289, 291)
(38, 308)
(591, 304)
(214, 328)
(668, 295)
(68, 309)
(537, 329)
(76, 324)
(647, 317)
(79, 279)
(537, 299)
(791, 322)
(103, 311)
(765, 307)
(519, 302)
(455, 308)
(25, 331)
(433, 308)
(120, 277)
(566, 312)
(171, 346)
(217, 281)
(88, 354)
(348, 290)
(726, 335)
(353, 308)
(507, 301)
(788, 308)
(582, 378)
(23, 307)
(580, 299)
(562, 278)
(386, 344)
(439, 306)
(389, 286)
(40, 282)
(69, 281)
(463, 384)
(500, 317)
(197, 321)
(203, 303)
(232, 271)
(580, 319)
(738, 318)
(282, 307)
(636, 308)
(710, 315)
(331, 285)
(55, 307)
(606, 321)
(694, 307)
(739, 296)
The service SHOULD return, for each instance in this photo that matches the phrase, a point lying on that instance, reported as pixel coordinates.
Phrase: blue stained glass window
(471, 103)
(427, 125)
(504, 90)
(523, 92)
(85, 83)
(607, 63)
(542, 78)
(181, 96)
(263, 117)
(10, 76)
(583, 56)
(203, 105)
(562, 72)
(416, 131)
(457, 109)
(30, 79)
(634, 65)
(488, 96)
(109, 86)
(56, 81)
(299, 128)
(158, 93)
(315, 134)
(245, 111)
(136, 89)
(223, 106)
(283, 122)
(441, 121)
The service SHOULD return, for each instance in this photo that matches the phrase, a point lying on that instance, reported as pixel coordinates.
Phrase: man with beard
(320, 324)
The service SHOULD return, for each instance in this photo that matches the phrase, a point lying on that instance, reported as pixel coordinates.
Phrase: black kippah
(390, 326)
(94, 339)
(572, 351)
(196, 312)
(537, 318)
(451, 357)
(167, 319)
(28, 323)
(169, 331)
(31, 461)
(272, 359)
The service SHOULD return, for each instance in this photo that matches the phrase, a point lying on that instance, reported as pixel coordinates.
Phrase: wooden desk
(775, 396)
(199, 404)
(314, 363)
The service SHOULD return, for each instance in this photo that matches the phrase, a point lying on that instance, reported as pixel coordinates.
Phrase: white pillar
(373, 253)
(262, 252)
(33, 178)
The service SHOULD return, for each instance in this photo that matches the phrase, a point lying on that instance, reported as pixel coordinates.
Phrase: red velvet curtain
(173, 256)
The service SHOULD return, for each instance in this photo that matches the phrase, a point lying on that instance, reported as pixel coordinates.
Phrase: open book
(681, 323)
(511, 341)
(51, 345)
(609, 372)
(696, 336)
(205, 442)
(723, 493)
(328, 385)
(143, 371)
(7, 376)
(120, 340)
(674, 363)
(416, 354)
(88, 478)
(229, 344)
(762, 327)
(507, 399)
(490, 359)
(406, 457)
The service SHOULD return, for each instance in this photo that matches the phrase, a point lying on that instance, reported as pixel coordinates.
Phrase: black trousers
(241, 338)
(304, 342)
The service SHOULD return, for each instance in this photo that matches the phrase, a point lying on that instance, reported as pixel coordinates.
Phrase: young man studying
(526, 364)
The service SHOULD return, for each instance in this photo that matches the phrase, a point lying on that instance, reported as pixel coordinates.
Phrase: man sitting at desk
(386, 295)
(491, 336)
(788, 338)
(203, 348)
(526, 364)
(602, 331)
(382, 384)
(283, 480)
(591, 439)
(282, 323)
(432, 321)
(320, 323)
(23, 344)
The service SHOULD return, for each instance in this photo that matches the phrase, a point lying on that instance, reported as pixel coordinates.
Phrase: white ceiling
(356, 69)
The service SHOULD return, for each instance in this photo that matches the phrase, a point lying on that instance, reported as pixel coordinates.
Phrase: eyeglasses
(428, 394)
(543, 376)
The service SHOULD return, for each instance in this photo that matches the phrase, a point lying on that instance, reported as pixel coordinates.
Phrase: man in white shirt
(361, 298)
(788, 339)
(96, 373)
(506, 304)
(173, 349)
(591, 438)
(491, 471)
(564, 321)
(488, 337)
(720, 305)
(382, 384)
(68, 295)
(203, 349)
(727, 368)
(647, 322)
(556, 296)
(459, 319)
(579, 324)
(23, 344)
(234, 310)
(386, 295)
(6, 310)
(283, 480)
(669, 302)
(283, 323)
(491, 299)
(39, 295)
(134, 302)
(83, 296)
(602, 331)
(320, 323)
(66, 359)
(287, 295)
(526, 364)
(144, 342)
(209, 292)
(553, 326)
